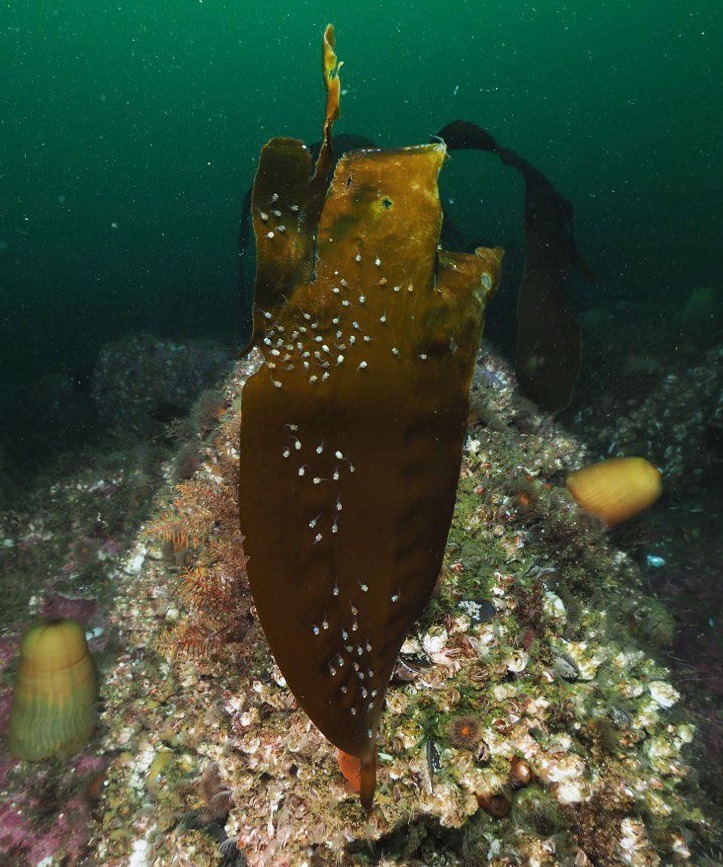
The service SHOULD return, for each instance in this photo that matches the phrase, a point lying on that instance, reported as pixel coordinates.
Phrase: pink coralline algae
(26, 834)
(6, 762)
(8, 650)
(18, 839)
(75, 607)
(13, 829)
(6, 700)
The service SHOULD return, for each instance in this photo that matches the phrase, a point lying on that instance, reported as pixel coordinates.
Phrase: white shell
(516, 661)
(554, 607)
(435, 640)
(663, 693)
(561, 768)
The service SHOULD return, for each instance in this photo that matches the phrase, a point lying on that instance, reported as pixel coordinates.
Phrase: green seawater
(129, 132)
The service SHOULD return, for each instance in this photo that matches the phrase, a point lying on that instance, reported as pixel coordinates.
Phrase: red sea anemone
(464, 732)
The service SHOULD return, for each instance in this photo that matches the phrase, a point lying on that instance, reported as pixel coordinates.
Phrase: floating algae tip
(352, 429)
(54, 697)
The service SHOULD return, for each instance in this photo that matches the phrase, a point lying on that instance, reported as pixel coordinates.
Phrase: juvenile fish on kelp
(352, 429)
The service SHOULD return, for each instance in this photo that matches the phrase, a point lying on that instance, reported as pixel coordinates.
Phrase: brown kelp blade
(352, 433)
(549, 340)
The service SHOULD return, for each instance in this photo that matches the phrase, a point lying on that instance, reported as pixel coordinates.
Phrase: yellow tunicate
(54, 697)
(616, 489)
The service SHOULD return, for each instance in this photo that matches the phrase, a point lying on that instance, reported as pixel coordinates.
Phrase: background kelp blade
(549, 340)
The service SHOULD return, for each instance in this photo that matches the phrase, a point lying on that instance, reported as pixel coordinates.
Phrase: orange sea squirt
(616, 489)
(350, 766)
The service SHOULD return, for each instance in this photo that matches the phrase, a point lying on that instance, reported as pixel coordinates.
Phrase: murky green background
(130, 130)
